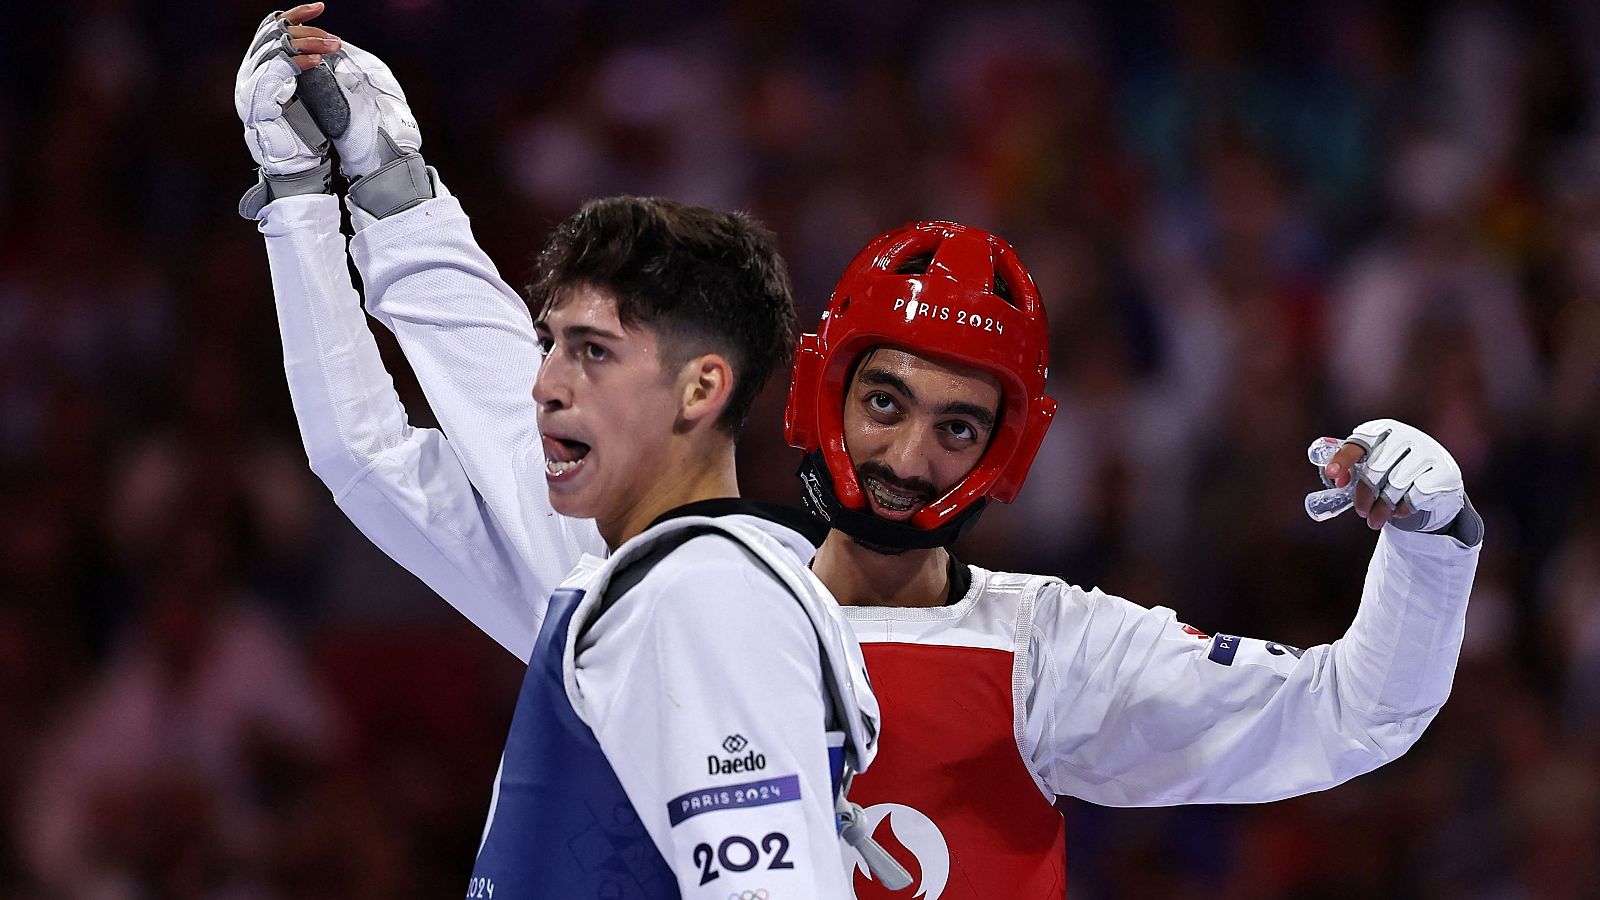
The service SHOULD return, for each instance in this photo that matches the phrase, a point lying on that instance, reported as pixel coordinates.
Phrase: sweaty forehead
(581, 304)
(932, 381)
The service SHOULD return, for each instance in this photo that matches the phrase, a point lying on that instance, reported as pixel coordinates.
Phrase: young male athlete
(694, 702)
(920, 397)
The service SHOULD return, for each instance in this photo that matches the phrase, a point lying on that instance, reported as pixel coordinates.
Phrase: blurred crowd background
(1254, 223)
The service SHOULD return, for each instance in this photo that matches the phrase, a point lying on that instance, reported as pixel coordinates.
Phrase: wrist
(400, 181)
(397, 185)
(270, 187)
(1467, 526)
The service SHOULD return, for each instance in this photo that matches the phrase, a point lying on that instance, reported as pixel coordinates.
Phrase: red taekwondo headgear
(948, 292)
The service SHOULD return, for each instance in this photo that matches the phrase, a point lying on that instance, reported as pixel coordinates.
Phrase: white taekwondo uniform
(1023, 689)
(682, 739)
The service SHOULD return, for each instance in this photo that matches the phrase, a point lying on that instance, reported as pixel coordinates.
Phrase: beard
(922, 489)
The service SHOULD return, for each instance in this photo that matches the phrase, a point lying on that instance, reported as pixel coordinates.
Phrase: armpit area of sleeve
(315, 211)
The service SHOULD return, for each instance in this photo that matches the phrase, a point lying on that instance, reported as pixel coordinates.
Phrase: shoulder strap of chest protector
(626, 575)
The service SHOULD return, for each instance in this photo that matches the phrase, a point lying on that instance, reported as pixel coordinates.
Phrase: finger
(1365, 496)
(1403, 510)
(309, 31)
(306, 62)
(1380, 515)
(316, 44)
(305, 12)
(264, 42)
(1338, 468)
(1371, 506)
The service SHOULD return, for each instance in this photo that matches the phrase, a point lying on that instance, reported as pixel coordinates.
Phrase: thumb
(1338, 468)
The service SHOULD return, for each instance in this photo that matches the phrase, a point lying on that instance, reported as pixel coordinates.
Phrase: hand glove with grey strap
(1404, 463)
(378, 150)
(284, 139)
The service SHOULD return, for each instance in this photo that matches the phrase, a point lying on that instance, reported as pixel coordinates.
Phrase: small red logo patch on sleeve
(1190, 629)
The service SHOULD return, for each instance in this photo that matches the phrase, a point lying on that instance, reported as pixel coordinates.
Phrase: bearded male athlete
(921, 397)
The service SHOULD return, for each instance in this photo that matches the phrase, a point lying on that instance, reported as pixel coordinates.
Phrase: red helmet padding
(950, 314)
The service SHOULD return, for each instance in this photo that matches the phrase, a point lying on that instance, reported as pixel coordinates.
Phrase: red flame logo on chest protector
(915, 842)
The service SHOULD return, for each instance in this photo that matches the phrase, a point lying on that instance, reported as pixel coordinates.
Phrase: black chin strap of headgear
(868, 529)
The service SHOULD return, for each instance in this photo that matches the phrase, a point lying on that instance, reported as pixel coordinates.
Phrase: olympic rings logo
(757, 894)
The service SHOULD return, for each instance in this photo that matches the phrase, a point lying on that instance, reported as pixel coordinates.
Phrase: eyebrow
(881, 378)
(578, 332)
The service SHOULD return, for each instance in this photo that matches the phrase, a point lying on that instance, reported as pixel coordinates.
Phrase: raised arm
(1129, 707)
(470, 341)
(466, 334)
(404, 487)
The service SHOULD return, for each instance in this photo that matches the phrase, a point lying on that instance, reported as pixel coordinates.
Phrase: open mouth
(563, 457)
(890, 499)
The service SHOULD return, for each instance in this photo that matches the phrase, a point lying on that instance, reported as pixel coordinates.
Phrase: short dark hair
(705, 281)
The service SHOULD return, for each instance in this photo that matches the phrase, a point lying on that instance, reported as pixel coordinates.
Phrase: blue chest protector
(561, 824)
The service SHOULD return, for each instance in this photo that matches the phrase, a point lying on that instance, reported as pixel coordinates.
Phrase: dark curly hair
(703, 280)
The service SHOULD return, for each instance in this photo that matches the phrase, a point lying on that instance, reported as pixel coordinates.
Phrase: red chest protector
(949, 796)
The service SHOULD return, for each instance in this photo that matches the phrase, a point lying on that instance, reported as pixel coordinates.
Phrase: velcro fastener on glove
(399, 184)
(298, 116)
(318, 180)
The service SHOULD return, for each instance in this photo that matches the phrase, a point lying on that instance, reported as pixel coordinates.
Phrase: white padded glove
(1405, 464)
(378, 147)
(262, 95)
(284, 141)
(378, 107)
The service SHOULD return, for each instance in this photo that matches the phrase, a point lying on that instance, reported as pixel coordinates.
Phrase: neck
(690, 472)
(857, 576)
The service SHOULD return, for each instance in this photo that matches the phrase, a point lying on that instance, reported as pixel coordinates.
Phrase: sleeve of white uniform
(707, 700)
(404, 487)
(470, 340)
(1128, 708)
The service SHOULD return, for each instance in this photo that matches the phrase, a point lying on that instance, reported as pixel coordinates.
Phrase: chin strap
(869, 530)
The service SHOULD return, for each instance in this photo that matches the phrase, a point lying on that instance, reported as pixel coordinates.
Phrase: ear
(705, 384)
